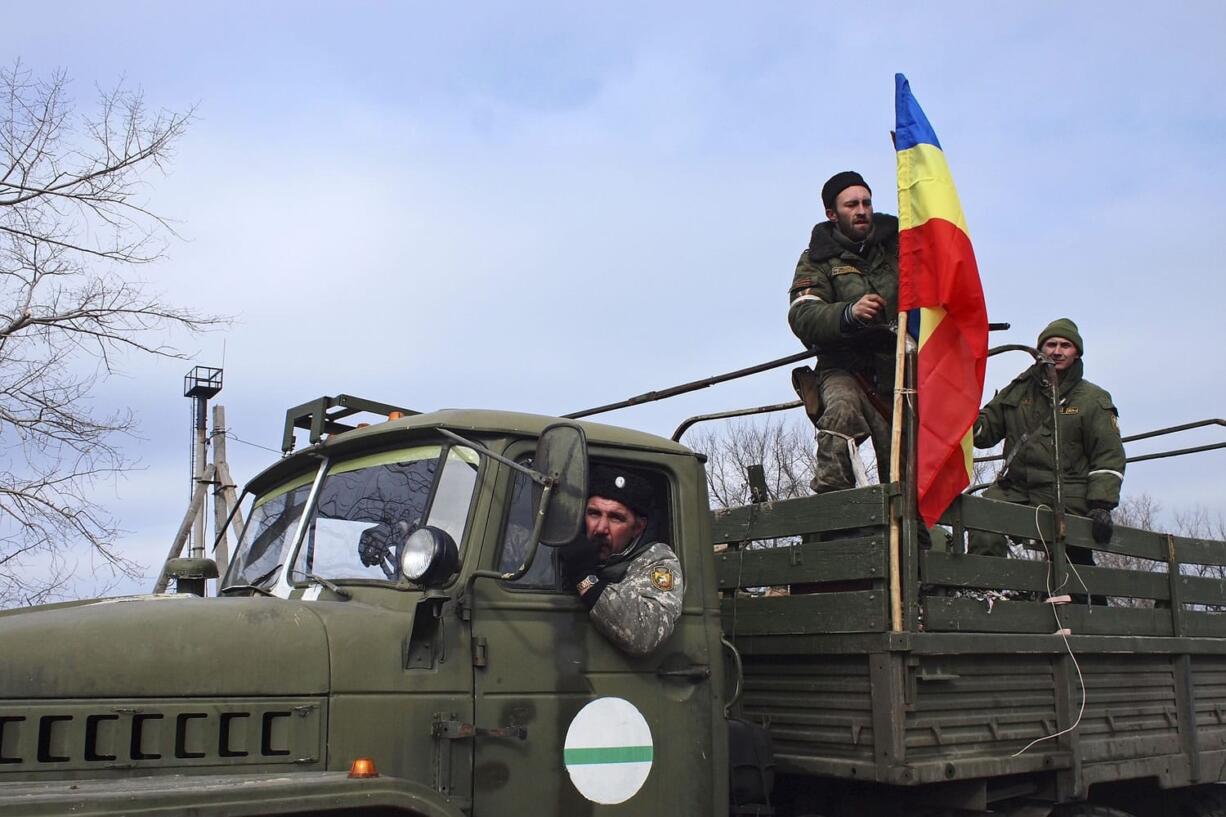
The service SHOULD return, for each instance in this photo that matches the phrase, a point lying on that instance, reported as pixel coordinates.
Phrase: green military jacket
(1091, 453)
(829, 276)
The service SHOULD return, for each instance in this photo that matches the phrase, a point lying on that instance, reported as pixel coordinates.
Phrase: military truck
(392, 637)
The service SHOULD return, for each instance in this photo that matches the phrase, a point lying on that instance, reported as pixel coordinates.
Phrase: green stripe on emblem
(612, 754)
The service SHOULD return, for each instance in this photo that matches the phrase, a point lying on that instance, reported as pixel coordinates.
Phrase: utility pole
(224, 498)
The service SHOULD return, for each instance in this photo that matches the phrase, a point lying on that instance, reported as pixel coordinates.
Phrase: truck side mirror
(561, 453)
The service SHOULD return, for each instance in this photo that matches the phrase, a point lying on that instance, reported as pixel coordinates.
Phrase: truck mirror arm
(535, 476)
(562, 452)
(534, 542)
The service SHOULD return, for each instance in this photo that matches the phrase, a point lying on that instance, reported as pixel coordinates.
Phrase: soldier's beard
(856, 230)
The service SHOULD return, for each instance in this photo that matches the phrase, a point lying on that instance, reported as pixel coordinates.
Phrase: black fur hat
(840, 182)
(626, 487)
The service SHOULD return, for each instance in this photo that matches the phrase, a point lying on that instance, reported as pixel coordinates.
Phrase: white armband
(805, 298)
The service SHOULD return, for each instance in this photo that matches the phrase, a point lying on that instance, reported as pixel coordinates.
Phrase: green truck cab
(393, 637)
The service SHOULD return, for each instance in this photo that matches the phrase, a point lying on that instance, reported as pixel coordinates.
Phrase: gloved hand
(575, 561)
(1102, 527)
(372, 544)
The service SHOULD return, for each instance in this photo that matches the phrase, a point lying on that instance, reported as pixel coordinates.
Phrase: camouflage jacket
(828, 277)
(1091, 453)
(637, 612)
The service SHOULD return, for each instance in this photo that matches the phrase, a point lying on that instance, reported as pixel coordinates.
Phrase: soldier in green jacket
(842, 303)
(1091, 453)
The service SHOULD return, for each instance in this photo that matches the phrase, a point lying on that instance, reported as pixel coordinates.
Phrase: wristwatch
(588, 582)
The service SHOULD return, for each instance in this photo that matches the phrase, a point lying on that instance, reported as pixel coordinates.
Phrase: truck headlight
(430, 556)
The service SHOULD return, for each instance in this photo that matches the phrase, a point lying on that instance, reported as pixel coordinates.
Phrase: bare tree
(1200, 522)
(1144, 512)
(1138, 511)
(782, 445)
(73, 220)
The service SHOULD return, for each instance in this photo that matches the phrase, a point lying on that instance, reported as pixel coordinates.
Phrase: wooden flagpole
(900, 352)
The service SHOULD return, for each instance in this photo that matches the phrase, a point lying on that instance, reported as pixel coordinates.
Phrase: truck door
(639, 728)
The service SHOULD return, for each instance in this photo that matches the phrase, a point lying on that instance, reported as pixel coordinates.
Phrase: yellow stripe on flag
(926, 189)
(968, 453)
(930, 319)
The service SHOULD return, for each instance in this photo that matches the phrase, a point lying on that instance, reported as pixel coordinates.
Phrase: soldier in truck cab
(843, 297)
(631, 585)
(1091, 452)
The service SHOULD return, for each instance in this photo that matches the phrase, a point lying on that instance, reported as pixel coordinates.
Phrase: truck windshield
(368, 505)
(274, 519)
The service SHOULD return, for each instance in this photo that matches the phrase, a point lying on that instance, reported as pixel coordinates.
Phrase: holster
(804, 381)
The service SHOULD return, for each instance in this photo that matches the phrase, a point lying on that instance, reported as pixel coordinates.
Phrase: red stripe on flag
(949, 381)
(937, 266)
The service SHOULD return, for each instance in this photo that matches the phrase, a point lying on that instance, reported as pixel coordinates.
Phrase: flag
(938, 278)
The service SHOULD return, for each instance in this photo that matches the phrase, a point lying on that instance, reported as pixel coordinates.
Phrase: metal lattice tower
(200, 384)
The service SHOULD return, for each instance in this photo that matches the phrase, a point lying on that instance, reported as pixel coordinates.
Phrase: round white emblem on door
(608, 750)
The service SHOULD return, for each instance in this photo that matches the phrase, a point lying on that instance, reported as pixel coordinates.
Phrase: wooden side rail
(1153, 583)
(835, 511)
(802, 562)
(825, 561)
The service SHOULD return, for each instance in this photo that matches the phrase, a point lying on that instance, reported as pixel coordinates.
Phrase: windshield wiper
(265, 577)
(263, 591)
(255, 585)
(331, 585)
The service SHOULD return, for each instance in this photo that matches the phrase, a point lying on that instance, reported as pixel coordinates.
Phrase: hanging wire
(1060, 628)
(229, 435)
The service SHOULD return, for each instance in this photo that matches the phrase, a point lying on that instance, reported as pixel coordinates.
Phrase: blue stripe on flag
(912, 126)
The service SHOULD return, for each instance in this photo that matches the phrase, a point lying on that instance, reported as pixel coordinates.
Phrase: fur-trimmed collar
(822, 244)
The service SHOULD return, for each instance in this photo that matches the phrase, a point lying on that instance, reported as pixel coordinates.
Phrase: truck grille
(65, 736)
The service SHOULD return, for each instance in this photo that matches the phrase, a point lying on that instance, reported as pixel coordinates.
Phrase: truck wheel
(1203, 801)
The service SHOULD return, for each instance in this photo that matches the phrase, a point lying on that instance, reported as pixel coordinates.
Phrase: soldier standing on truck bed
(631, 585)
(843, 298)
(1091, 453)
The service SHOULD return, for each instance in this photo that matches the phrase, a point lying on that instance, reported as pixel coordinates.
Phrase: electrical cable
(230, 436)
(1063, 634)
(740, 573)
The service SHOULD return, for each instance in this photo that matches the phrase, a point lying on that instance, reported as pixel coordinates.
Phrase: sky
(550, 206)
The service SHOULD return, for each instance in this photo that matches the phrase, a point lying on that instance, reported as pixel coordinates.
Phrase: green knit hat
(1063, 328)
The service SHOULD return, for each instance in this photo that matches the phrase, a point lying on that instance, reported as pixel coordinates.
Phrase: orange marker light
(394, 415)
(363, 767)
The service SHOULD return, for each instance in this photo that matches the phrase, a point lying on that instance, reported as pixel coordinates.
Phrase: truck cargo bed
(977, 683)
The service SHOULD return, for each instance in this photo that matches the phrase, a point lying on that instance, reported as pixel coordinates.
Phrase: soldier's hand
(1102, 526)
(372, 544)
(869, 308)
(576, 561)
